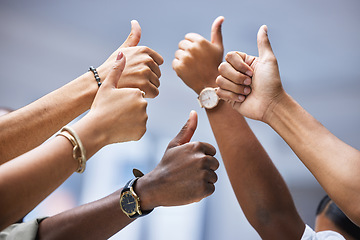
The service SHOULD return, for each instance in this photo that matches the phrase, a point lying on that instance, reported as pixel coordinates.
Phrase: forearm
(28, 127)
(335, 164)
(31, 177)
(97, 220)
(259, 188)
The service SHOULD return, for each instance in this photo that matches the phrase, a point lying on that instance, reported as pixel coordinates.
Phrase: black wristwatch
(130, 201)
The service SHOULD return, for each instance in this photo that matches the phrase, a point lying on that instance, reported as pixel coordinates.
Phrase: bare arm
(335, 164)
(259, 188)
(96, 220)
(28, 127)
(186, 174)
(28, 179)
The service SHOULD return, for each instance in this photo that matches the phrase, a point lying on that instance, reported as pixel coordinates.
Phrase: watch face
(208, 98)
(128, 203)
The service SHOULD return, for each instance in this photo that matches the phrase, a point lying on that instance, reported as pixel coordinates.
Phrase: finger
(213, 163)
(148, 84)
(264, 46)
(211, 176)
(238, 63)
(194, 37)
(154, 79)
(208, 149)
(115, 73)
(230, 96)
(249, 60)
(228, 85)
(150, 88)
(185, 44)
(134, 37)
(227, 71)
(210, 189)
(154, 67)
(176, 63)
(216, 35)
(154, 55)
(180, 54)
(186, 133)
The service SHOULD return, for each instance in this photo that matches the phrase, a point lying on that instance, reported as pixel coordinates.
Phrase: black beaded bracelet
(97, 78)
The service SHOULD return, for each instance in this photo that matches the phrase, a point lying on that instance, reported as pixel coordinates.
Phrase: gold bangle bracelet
(74, 139)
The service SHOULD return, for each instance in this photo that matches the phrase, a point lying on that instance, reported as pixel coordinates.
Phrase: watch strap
(127, 187)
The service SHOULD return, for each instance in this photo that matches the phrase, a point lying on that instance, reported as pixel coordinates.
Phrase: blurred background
(45, 44)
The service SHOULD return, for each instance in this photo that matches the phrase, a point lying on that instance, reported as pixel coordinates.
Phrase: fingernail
(246, 90)
(247, 81)
(265, 29)
(119, 56)
(249, 73)
(241, 98)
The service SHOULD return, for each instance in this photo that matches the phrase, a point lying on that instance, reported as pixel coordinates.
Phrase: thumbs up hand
(197, 59)
(117, 115)
(186, 173)
(142, 68)
(242, 74)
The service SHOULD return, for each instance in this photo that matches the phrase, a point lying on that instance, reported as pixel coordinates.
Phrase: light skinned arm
(116, 115)
(335, 164)
(259, 188)
(28, 127)
(186, 174)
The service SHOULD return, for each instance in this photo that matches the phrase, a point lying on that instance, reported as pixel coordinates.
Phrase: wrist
(92, 137)
(210, 83)
(144, 188)
(279, 104)
(87, 87)
(103, 71)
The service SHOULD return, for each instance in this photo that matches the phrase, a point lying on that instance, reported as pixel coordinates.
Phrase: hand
(266, 88)
(142, 68)
(197, 60)
(119, 115)
(186, 173)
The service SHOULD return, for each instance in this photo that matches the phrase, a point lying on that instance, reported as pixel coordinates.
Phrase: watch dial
(128, 203)
(209, 98)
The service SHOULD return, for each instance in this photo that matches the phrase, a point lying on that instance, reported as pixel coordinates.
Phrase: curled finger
(230, 96)
(228, 85)
(229, 72)
(238, 63)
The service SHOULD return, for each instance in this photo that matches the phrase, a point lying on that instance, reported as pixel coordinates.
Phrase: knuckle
(203, 162)
(144, 49)
(217, 165)
(211, 189)
(230, 55)
(155, 92)
(148, 59)
(204, 176)
(196, 145)
(239, 78)
(222, 67)
(145, 71)
(203, 42)
(220, 81)
(215, 177)
(181, 43)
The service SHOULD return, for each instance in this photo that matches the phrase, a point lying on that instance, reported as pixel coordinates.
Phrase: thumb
(263, 42)
(186, 133)
(216, 35)
(116, 71)
(134, 37)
